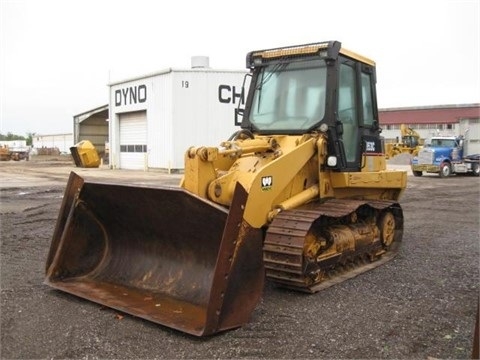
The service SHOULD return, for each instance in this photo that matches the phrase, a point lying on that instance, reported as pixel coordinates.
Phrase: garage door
(133, 140)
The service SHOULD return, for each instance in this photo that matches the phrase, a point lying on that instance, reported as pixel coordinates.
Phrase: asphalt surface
(420, 305)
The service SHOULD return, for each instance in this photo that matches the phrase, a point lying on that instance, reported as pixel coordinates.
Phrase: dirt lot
(421, 304)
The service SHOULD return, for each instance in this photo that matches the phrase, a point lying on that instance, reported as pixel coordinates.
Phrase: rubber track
(284, 241)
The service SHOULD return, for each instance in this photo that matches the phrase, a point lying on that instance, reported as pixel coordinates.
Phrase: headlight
(332, 161)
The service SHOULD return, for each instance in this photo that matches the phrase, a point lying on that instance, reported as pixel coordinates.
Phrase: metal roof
(441, 114)
(86, 114)
(171, 70)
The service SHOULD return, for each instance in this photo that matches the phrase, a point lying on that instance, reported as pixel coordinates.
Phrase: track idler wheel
(386, 225)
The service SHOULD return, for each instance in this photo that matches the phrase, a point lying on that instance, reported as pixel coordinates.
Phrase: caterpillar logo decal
(267, 182)
(370, 146)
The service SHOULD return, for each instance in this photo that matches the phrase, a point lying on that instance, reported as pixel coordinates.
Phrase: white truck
(14, 150)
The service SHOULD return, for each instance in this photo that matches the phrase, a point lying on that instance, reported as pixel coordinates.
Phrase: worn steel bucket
(162, 254)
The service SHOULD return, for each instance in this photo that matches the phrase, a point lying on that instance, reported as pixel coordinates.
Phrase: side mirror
(376, 126)
(240, 110)
(239, 116)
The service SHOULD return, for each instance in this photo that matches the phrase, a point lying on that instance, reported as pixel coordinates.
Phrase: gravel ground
(420, 305)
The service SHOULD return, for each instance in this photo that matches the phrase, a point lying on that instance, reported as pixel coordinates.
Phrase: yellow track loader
(410, 143)
(300, 195)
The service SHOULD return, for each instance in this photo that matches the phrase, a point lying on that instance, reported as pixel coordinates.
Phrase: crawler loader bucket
(161, 254)
(85, 155)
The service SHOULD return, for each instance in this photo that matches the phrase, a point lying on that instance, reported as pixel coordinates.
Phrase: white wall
(192, 107)
(61, 141)
(203, 111)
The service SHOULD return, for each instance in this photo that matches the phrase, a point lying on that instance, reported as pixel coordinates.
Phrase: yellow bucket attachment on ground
(162, 254)
(85, 155)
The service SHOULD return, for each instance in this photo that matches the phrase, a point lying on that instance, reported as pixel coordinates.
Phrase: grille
(425, 157)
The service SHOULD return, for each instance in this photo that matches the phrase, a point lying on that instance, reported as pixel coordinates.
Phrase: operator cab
(316, 87)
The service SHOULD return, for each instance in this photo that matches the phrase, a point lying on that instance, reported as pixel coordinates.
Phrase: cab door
(347, 113)
(357, 113)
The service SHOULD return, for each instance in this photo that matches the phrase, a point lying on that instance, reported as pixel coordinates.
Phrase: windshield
(289, 96)
(449, 143)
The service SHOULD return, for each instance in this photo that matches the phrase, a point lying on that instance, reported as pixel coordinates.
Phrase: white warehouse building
(62, 142)
(154, 119)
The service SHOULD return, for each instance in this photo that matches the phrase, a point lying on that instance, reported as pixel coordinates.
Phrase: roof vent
(199, 62)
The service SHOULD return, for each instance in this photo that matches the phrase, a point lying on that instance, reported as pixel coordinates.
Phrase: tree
(10, 136)
(29, 139)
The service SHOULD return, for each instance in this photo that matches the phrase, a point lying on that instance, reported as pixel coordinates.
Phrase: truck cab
(445, 156)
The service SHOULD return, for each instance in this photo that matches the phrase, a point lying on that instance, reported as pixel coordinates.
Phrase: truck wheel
(476, 169)
(445, 170)
(417, 173)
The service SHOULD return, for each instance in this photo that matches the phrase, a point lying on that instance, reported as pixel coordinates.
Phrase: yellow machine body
(5, 154)
(410, 143)
(292, 167)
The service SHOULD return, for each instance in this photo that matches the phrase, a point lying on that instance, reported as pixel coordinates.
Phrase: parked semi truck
(447, 155)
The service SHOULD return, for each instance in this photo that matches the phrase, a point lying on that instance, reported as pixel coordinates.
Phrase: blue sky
(57, 57)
